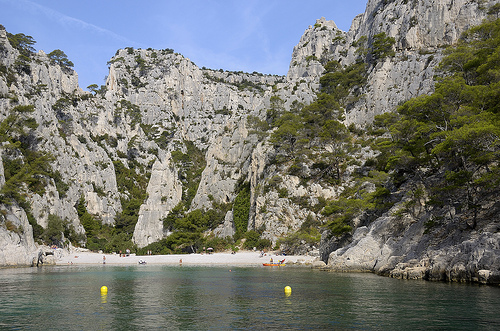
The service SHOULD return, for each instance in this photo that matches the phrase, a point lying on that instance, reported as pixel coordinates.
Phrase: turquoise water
(215, 298)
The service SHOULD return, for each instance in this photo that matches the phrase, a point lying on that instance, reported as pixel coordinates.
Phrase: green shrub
(382, 46)
(59, 57)
(12, 227)
(308, 234)
(55, 229)
(191, 166)
(89, 223)
(219, 244)
(241, 209)
(253, 239)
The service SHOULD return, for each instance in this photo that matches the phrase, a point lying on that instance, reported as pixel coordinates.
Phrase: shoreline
(242, 258)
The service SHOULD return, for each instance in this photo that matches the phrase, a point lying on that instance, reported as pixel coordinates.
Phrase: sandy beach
(242, 258)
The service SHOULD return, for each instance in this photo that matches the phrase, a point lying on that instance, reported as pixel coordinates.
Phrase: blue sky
(251, 35)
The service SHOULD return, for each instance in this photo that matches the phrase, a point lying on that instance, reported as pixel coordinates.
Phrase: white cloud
(66, 20)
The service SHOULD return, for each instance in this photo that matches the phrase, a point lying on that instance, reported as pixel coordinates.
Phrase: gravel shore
(241, 258)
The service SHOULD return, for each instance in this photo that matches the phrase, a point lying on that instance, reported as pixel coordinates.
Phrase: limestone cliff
(401, 246)
(421, 30)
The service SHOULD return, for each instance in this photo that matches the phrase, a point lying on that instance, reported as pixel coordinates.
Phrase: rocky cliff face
(401, 246)
(203, 106)
(421, 30)
(156, 102)
(16, 237)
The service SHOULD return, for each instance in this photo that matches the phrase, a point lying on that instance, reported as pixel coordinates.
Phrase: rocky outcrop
(17, 247)
(422, 29)
(318, 45)
(164, 193)
(407, 246)
(227, 229)
(410, 246)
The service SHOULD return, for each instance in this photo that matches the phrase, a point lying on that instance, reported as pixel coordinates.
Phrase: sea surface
(146, 297)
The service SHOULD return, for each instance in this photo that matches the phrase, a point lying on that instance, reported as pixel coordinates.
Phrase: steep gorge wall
(402, 246)
(153, 102)
(204, 106)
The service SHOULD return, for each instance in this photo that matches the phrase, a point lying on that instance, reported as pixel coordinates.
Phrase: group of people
(127, 253)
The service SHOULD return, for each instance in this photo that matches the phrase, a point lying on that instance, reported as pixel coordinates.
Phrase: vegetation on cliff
(26, 169)
(313, 143)
(449, 141)
(445, 143)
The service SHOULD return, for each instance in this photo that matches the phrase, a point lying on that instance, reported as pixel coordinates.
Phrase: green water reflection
(214, 298)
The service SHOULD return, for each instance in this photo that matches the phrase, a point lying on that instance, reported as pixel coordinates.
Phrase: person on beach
(104, 259)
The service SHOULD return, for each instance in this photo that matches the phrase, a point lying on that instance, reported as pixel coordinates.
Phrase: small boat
(275, 264)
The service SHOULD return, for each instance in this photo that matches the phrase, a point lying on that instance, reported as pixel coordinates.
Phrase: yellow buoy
(104, 290)
(288, 290)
